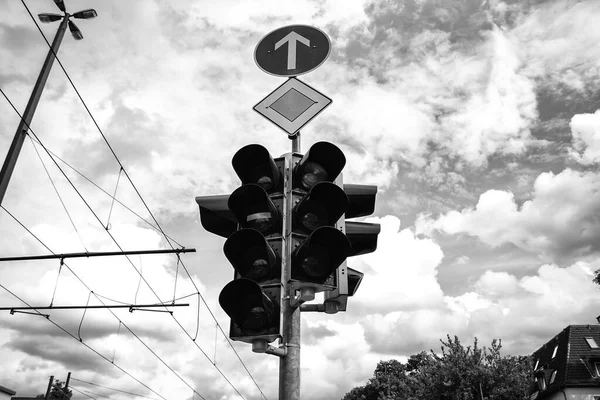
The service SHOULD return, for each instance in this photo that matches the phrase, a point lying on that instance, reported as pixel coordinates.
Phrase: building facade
(568, 366)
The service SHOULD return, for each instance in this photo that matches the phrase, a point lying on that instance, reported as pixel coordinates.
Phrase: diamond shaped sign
(292, 105)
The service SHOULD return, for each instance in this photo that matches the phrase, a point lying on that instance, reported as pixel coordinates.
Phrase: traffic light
(251, 219)
(363, 239)
(285, 228)
(319, 247)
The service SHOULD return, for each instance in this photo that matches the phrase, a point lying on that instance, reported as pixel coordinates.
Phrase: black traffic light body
(363, 239)
(286, 230)
(318, 245)
(251, 220)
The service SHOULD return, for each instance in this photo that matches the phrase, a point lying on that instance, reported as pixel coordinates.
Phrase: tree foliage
(458, 373)
(58, 392)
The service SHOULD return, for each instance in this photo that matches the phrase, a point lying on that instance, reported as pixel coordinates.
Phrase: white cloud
(585, 129)
(401, 273)
(560, 220)
(496, 284)
(559, 38)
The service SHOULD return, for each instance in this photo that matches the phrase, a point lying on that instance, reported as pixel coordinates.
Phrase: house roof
(7, 390)
(570, 355)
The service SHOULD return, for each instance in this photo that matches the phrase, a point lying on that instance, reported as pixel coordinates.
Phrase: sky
(478, 121)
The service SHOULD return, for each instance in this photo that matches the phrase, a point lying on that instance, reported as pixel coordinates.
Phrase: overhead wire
(56, 156)
(88, 288)
(147, 208)
(85, 394)
(83, 343)
(57, 193)
(109, 388)
(113, 314)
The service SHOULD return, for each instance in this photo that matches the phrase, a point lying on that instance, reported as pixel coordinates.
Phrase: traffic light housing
(318, 246)
(286, 231)
(363, 239)
(251, 220)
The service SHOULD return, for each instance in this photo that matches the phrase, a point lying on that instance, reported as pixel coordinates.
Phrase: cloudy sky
(476, 119)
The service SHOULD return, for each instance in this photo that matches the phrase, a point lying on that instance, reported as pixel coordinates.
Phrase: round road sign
(292, 50)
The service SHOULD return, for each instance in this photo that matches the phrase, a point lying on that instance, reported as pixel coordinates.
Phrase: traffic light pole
(17, 143)
(289, 365)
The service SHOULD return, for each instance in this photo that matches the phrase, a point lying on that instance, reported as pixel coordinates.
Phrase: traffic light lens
(260, 270)
(312, 221)
(256, 319)
(265, 182)
(316, 263)
(262, 222)
(313, 174)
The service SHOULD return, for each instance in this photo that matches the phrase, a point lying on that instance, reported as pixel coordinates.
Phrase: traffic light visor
(361, 199)
(251, 255)
(354, 279)
(254, 209)
(324, 250)
(323, 162)
(362, 236)
(322, 206)
(254, 164)
(215, 215)
(247, 305)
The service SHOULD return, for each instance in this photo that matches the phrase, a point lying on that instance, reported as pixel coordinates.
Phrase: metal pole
(289, 366)
(295, 142)
(17, 143)
(49, 387)
(67, 382)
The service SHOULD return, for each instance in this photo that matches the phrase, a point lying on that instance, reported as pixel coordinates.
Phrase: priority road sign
(292, 105)
(292, 50)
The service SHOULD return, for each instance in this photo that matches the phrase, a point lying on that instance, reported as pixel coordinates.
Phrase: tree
(58, 392)
(459, 373)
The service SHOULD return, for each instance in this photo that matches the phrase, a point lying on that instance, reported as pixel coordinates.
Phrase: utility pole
(49, 387)
(17, 143)
(15, 148)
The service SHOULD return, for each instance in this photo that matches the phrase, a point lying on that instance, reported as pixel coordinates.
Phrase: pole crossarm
(130, 306)
(97, 254)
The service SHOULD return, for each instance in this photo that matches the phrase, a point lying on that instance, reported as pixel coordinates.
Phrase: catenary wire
(138, 193)
(113, 314)
(109, 388)
(34, 139)
(141, 199)
(89, 392)
(83, 343)
(87, 287)
(85, 394)
(150, 287)
(57, 193)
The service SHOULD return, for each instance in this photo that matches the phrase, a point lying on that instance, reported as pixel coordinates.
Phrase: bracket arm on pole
(276, 351)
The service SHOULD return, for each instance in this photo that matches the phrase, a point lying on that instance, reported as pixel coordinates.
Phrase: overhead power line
(109, 388)
(150, 213)
(85, 344)
(113, 314)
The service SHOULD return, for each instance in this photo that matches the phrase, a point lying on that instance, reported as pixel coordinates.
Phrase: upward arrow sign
(291, 39)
